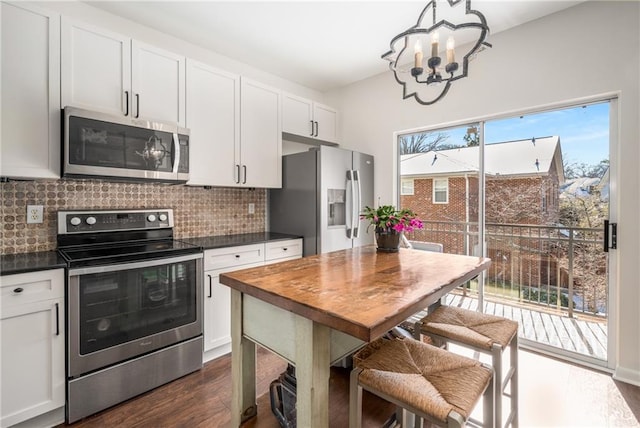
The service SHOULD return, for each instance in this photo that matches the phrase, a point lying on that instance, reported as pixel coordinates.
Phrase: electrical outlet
(35, 213)
(252, 208)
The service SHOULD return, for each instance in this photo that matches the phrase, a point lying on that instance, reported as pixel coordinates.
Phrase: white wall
(587, 50)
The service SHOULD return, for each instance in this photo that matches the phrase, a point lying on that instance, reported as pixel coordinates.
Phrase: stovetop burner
(90, 238)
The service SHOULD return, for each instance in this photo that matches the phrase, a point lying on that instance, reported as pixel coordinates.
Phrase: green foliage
(534, 295)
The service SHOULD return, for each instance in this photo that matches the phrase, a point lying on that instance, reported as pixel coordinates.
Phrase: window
(440, 190)
(406, 186)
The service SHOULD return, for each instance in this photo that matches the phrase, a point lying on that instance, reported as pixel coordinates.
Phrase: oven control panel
(113, 220)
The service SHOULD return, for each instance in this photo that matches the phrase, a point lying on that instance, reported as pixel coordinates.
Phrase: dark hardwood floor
(553, 393)
(203, 399)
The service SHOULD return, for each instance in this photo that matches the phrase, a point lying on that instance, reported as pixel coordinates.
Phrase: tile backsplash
(197, 211)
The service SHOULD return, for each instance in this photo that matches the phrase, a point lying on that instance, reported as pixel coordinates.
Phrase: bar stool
(484, 333)
(433, 384)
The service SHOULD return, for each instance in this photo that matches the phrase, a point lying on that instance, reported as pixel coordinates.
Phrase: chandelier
(406, 56)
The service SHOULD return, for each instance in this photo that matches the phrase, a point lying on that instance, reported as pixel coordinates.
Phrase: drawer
(31, 287)
(221, 258)
(283, 249)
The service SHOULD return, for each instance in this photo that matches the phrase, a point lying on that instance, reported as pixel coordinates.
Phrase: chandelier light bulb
(451, 46)
(418, 54)
(435, 40)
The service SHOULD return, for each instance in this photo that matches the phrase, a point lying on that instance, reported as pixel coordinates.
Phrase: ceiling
(318, 44)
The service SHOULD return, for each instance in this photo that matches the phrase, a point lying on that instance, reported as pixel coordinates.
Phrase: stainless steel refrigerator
(323, 193)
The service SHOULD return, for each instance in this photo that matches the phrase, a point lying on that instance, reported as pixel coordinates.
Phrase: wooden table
(316, 310)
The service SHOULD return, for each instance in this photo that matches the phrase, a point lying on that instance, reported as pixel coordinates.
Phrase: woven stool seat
(470, 327)
(483, 333)
(422, 378)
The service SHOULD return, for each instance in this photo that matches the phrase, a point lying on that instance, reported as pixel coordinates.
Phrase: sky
(583, 131)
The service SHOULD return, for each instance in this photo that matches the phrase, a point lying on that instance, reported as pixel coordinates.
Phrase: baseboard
(218, 352)
(627, 376)
(50, 419)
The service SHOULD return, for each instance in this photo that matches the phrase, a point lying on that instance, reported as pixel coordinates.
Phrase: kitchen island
(316, 310)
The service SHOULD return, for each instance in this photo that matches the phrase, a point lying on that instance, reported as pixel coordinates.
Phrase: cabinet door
(30, 114)
(33, 377)
(217, 311)
(297, 116)
(326, 119)
(217, 308)
(157, 83)
(96, 68)
(260, 135)
(213, 116)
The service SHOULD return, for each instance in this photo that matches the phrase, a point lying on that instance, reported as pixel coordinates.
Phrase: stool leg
(514, 381)
(496, 362)
(488, 401)
(355, 400)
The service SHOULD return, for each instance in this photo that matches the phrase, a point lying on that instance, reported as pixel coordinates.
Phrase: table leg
(243, 367)
(312, 373)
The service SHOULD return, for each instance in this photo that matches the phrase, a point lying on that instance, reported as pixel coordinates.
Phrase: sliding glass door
(535, 190)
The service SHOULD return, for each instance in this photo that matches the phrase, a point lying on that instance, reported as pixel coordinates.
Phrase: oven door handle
(135, 265)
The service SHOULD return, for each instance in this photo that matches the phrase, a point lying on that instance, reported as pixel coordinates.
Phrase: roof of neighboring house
(522, 157)
(584, 186)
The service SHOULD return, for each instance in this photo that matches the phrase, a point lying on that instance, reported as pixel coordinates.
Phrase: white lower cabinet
(32, 339)
(217, 297)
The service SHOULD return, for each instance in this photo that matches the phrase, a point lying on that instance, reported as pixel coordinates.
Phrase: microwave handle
(176, 150)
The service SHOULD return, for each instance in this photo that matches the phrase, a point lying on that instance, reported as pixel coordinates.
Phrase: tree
(471, 137)
(422, 143)
(578, 170)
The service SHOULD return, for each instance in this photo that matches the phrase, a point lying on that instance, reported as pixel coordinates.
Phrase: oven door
(117, 312)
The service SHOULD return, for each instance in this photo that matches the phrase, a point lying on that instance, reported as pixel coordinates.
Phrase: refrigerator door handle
(357, 208)
(350, 226)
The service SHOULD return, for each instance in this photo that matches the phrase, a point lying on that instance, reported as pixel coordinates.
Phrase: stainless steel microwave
(98, 145)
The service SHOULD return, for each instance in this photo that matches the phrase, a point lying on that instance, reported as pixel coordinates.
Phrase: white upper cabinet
(260, 160)
(96, 69)
(213, 116)
(326, 120)
(108, 72)
(297, 116)
(306, 118)
(157, 83)
(30, 116)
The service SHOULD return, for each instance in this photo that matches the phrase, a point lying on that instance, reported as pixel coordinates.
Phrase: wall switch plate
(252, 208)
(35, 213)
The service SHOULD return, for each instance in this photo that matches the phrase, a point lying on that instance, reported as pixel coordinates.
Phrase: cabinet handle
(126, 103)
(312, 128)
(57, 319)
(244, 174)
(317, 129)
(284, 249)
(210, 287)
(137, 106)
(237, 176)
(18, 290)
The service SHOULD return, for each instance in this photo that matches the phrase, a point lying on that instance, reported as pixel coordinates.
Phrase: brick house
(522, 184)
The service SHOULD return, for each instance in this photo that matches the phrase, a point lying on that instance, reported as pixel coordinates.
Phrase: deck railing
(561, 268)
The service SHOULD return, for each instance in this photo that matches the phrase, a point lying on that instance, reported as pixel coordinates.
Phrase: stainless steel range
(134, 299)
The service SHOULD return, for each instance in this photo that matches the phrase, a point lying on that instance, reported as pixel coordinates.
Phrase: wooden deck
(571, 334)
(579, 335)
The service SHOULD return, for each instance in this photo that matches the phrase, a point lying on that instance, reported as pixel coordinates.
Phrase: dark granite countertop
(30, 262)
(221, 241)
